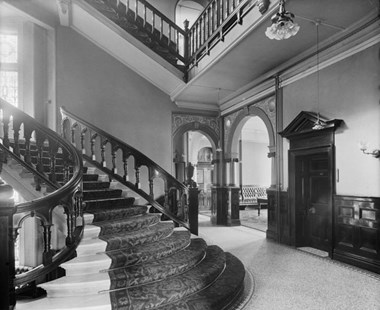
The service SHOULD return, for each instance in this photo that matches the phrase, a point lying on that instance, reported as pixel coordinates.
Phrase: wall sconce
(364, 147)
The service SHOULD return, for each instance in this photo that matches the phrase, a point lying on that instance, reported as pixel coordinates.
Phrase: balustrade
(183, 47)
(211, 26)
(56, 167)
(136, 171)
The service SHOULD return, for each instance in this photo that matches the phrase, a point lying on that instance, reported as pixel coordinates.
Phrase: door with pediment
(313, 200)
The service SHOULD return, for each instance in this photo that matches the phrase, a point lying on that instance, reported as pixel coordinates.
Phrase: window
(9, 68)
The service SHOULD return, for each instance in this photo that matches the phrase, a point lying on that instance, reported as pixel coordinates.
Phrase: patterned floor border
(249, 288)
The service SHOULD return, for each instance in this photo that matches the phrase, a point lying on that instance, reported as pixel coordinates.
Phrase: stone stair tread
(91, 302)
(90, 231)
(77, 279)
(174, 288)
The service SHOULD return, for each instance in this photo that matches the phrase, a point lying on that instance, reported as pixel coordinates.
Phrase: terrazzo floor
(287, 278)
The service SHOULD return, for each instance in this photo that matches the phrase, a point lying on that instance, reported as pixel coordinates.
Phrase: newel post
(193, 200)
(193, 209)
(7, 257)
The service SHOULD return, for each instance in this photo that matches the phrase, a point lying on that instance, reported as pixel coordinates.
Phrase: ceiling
(256, 55)
(253, 58)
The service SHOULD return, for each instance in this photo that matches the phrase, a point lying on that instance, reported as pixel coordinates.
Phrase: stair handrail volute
(176, 204)
(67, 194)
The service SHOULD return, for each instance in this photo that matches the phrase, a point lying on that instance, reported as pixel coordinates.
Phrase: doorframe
(294, 155)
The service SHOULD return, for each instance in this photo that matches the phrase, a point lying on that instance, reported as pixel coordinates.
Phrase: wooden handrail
(176, 194)
(19, 129)
(218, 17)
(212, 25)
(163, 17)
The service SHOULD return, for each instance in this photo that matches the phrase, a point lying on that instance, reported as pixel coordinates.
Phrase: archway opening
(254, 173)
(193, 155)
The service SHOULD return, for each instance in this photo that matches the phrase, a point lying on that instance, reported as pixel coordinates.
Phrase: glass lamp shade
(282, 30)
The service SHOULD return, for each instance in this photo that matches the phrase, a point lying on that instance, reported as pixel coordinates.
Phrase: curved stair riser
(129, 259)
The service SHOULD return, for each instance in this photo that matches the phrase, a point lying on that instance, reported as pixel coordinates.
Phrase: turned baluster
(161, 28)
(92, 147)
(47, 255)
(53, 151)
(6, 131)
(153, 21)
(82, 142)
(102, 154)
(73, 135)
(166, 195)
(69, 220)
(125, 167)
(137, 175)
(113, 155)
(152, 174)
(16, 136)
(136, 9)
(39, 167)
(144, 14)
(170, 34)
(78, 204)
(27, 156)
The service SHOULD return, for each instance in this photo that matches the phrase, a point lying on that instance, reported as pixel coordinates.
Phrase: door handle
(312, 210)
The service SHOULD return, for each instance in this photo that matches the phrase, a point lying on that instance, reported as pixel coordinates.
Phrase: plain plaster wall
(257, 165)
(349, 90)
(101, 90)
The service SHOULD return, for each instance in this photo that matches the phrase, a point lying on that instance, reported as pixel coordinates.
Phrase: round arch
(196, 126)
(232, 146)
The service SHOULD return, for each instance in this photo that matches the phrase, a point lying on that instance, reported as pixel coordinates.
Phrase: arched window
(187, 10)
(9, 67)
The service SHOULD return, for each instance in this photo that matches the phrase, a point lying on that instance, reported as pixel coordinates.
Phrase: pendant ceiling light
(282, 26)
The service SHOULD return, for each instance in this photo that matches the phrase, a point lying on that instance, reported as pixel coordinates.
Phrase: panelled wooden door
(313, 198)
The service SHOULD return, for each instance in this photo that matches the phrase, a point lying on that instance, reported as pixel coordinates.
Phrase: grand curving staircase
(118, 254)
(129, 259)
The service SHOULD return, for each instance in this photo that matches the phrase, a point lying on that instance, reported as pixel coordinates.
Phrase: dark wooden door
(313, 193)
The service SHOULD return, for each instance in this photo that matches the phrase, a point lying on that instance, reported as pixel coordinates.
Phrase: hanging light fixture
(282, 26)
(318, 125)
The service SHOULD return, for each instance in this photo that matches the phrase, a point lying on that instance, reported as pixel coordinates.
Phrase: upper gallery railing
(148, 24)
(53, 163)
(212, 25)
(134, 170)
(182, 47)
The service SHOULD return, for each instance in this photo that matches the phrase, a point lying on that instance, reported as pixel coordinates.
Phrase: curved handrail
(178, 211)
(67, 195)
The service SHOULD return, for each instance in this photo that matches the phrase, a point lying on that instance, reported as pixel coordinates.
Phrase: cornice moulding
(347, 47)
(197, 105)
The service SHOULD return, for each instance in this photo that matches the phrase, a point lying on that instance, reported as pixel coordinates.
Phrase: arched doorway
(261, 176)
(194, 148)
(254, 173)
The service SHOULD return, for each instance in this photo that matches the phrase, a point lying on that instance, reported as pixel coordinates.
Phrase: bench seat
(253, 195)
